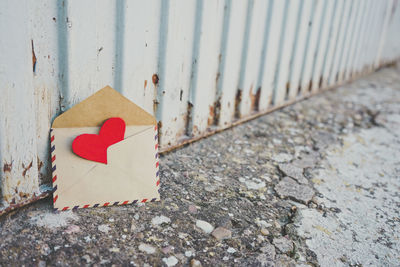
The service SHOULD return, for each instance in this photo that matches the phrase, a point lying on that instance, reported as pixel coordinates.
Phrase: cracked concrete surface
(313, 184)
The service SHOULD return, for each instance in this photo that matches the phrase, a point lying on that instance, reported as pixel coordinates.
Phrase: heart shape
(94, 146)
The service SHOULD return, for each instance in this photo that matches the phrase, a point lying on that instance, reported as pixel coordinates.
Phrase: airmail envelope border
(104, 104)
(122, 202)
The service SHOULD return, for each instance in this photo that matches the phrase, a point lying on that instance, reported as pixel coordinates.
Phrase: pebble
(160, 220)
(87, 258)
(262, 223)
(283, 244)
(221, 233)
(269, 251)
(195, 263)
(282, 157)
(167, 249)
(293, 172)
(170, 261)
(192, 209)
(231, 250)
(254, 184)
(72, 229)
(114, 249)
(205, 226)
(104, 228)
(147, 248)
(264, 231)
(290, 188)
(133, 226)
(188, 253)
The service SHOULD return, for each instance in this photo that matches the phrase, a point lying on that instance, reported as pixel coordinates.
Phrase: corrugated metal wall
(199, 66)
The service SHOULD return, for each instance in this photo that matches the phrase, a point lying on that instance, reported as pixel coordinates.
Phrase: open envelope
(131, 172)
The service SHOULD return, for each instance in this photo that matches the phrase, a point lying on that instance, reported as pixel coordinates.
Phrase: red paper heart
(94, 146)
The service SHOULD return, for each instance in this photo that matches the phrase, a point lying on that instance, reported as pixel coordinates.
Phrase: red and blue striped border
(54, 169)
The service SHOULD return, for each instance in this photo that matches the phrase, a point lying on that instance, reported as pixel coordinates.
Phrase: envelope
(131, 174)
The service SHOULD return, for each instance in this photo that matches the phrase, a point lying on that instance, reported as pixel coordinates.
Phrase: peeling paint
(7, 167)
(254, 99)
(238, 99)
(34, 60)
(26, 169)
(217, 111)
(155, 79)
(211, 116)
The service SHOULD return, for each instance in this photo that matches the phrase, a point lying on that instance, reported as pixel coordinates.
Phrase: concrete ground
(313, 184)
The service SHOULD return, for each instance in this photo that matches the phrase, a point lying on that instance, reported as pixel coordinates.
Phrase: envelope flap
(104, 104)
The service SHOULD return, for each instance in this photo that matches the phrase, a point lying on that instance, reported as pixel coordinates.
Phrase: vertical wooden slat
(175, 71)
(306, 79)
(325, 38)
(91, 42)
(205, 74)
(271, 55)
(332, 45)
(46, 77)
(137, 46)
(348, 40)
(235, 27)
(340, 47)
(301, 46)
(18, 147)
(250, 69)
(282, 82)
(364, 37)
(357, 41)
(385, 26)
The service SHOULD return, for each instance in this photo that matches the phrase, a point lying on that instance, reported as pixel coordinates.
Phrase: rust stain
(310, 86)
(155, 105)
(287, 88)
(189, 119)
(320, 81)
(26, 169)
(33, 58)
(217, 78)
(238, 99)
(155, 79)
(7, 167)
(28, 200)
(211, 115)
(145, 84)
(217, 111)
(39, 164)
(254, 98)
(159, 126)
(299, 89)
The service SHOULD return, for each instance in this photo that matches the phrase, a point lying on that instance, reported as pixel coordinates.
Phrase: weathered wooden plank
(205, 74)
(175, 69)
(234, 25)
(137, 45)
(333, 75)
(271, 55)
(306, 78)
(301, 46)
(332, 45)
(287, 42)
(325, 38)
(18, 148)
(249, 82)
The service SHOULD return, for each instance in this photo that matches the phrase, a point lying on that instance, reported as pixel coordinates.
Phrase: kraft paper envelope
(131, 172)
